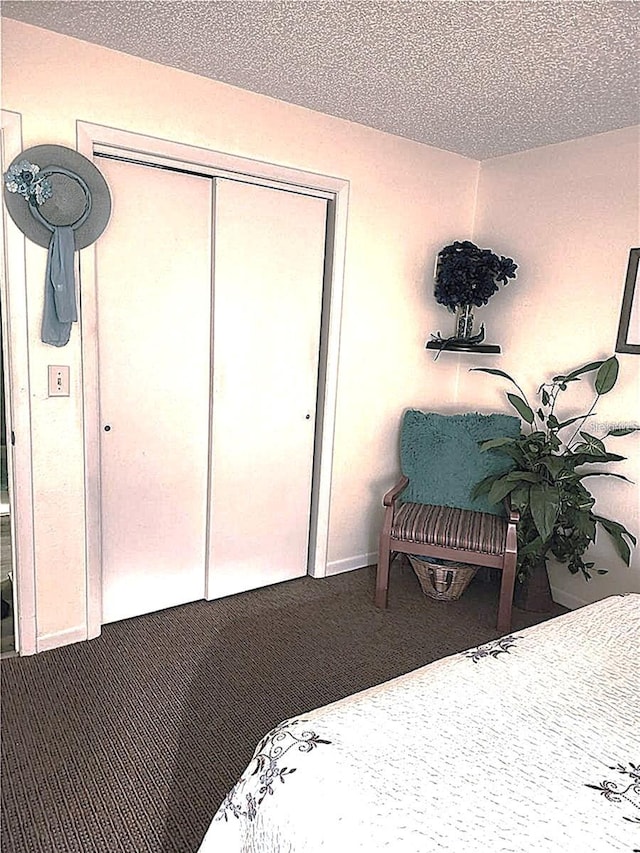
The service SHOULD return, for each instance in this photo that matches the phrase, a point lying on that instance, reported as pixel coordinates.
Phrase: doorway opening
(7, 598)
(16, 487)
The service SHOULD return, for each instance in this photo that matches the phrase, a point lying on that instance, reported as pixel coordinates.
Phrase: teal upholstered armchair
(430, 512)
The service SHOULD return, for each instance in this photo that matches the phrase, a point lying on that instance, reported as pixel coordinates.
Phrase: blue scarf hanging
(60, 289)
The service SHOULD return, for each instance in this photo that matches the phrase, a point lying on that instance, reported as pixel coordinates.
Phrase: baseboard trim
(337, 567)
(567, 599)
(46, 642)
(359, 561)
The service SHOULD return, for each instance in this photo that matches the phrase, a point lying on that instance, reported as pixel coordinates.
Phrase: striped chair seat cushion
(449, 527)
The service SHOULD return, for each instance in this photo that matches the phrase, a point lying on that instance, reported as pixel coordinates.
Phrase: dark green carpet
(128, 743)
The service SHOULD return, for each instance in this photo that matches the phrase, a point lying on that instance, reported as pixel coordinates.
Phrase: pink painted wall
(406, 200)
(568, 214)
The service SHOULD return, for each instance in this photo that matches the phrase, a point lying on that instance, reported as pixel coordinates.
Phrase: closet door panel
(154, 308)
(269, 250)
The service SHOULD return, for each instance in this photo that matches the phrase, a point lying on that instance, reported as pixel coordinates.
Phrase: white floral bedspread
(529, 744)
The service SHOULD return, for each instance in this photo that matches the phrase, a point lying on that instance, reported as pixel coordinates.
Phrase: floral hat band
(30, 181)
(51, 186)
(25, 179)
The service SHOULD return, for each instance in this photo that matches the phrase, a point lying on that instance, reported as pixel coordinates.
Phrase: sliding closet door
(269, 265)
(154, 308)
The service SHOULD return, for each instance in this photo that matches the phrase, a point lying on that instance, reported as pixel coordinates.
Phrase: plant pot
(534, 592)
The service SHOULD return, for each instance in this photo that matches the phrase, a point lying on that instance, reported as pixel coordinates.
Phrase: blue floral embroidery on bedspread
(493, 648)
(624, 791)
(266, 768)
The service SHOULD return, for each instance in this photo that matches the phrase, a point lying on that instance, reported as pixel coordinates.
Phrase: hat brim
(51, 156)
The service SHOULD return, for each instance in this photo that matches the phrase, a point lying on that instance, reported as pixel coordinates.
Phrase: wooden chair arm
(513, 514)
(392, 494)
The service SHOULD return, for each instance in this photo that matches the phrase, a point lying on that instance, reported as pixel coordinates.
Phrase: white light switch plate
(58, 380)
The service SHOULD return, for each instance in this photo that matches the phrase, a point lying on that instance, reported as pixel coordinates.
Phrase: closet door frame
(92, 138)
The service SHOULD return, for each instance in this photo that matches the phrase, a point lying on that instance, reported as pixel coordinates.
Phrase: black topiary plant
(467, 277)
(547, 482)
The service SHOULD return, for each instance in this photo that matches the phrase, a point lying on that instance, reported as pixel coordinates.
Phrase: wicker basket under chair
(443, 580)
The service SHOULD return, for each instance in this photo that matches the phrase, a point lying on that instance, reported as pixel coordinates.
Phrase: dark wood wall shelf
(479, 348)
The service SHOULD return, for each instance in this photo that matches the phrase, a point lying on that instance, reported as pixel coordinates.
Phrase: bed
(528, 743)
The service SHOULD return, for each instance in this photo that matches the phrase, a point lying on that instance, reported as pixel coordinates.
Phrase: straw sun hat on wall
(80, 197)
(59, 200)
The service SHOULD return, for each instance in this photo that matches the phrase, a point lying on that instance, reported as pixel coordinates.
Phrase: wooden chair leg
(382, 574)
(506, 596)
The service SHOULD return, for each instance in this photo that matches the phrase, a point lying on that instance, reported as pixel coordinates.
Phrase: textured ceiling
(478, 78)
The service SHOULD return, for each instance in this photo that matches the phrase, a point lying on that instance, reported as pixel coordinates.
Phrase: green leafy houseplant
(546, 484)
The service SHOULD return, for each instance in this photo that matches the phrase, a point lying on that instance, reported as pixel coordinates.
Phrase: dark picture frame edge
(622, 343)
